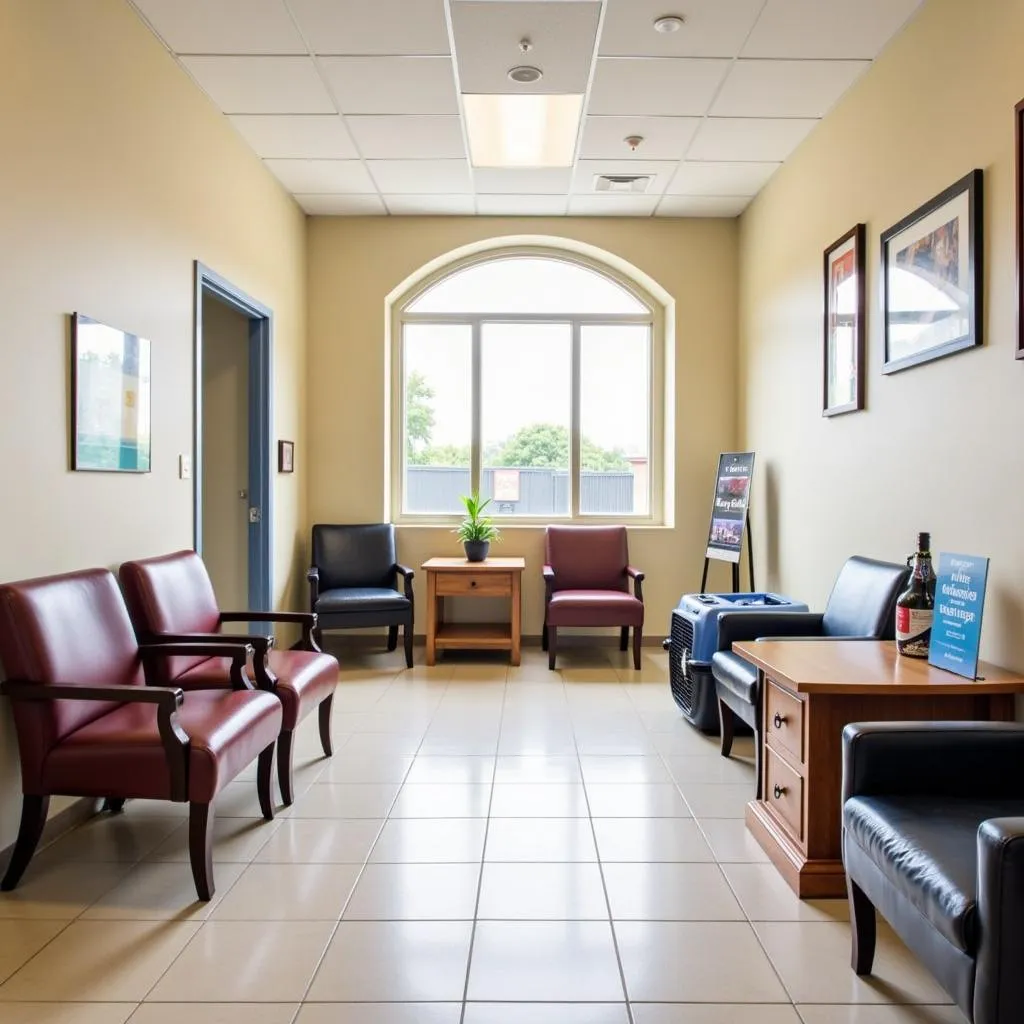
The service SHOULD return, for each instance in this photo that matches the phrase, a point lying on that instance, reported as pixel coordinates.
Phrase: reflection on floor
(487, 846)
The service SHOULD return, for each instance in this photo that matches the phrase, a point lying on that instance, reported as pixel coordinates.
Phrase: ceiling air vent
(628, 183)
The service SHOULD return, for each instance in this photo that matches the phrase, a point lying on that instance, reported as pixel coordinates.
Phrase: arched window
(526, 375)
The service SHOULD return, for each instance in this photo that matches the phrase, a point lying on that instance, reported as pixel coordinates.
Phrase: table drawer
(784, 793)
(486, 584)
(784, 721)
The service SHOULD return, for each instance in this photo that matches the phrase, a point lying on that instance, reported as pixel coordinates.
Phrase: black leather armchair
(353, 580)
(862, 606)
(933, 837)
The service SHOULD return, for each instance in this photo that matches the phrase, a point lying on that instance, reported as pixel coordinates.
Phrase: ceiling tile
(392, 85)
(310, 136)
(342, 206)
(827, 28)
(702, 206)
(487, 36)
(749, 138)
(682, 87)
(421, 177)
(321, 175)
(664, 138)
(707, 178)
(660, 170)
(712, 28)
(521, 206)
(430, 205)
(400, 136)
(223, 26)
(535, 180)
(612, 206)
(785, 88)
(261, 85)
(381, 27)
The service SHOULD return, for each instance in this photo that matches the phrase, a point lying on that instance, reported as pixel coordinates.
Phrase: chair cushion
(121, 755)
(304, 679)
(927, 847)
(360, 555)
(587, 557)
(735, 675)
(863, 599)
(360, 599)
(594, 608)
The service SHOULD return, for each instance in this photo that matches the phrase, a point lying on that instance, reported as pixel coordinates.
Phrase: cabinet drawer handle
(780, 792)
(779, 720)
(472, 583)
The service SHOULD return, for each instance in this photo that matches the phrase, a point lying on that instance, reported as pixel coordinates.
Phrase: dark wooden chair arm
(313, 577)
(638, 578)
(261, 644)
(549, 581)
(239, 653)
(407, 575)
(305, 619)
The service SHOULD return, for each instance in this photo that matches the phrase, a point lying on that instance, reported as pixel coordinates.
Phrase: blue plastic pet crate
(694, 638)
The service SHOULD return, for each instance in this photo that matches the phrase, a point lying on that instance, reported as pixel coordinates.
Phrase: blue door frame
(261, 340)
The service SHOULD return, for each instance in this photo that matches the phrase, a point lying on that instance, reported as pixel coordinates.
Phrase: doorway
(232, 443)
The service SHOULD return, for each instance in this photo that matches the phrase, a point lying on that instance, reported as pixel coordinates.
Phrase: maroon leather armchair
(586, 579)
(88, 726)
(171, 601)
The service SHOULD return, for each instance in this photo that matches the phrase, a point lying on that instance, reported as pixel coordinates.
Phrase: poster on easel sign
(729, 511)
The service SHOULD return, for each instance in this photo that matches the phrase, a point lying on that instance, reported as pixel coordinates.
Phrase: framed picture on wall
(286, 456)
(1018, 118)
(110, 398)
(844, 324)
(932, 277)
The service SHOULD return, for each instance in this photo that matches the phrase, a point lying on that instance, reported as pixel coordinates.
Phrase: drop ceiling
(355, 105)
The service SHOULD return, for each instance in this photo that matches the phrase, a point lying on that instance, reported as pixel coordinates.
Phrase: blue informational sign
(959, 600)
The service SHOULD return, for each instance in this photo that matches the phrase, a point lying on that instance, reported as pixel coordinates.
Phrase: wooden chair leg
(392, 637)
(862, 927)
(407, 637)
(284, 766)
(727, 724)
(113, 804)
(638, 634)
(552, 646)
(325, 724)
(544, 637)
(33, 818)
(624, 638)
(264, 775)
(200, 848)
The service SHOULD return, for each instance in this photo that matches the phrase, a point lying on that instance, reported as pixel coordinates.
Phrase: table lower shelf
(471, 635)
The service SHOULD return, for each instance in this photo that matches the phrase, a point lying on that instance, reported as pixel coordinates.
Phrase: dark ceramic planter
(476, 550)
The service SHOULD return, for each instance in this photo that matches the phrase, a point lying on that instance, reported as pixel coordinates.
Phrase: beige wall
(116, 174)
(939, 445)
(226, 451)
(354, 263)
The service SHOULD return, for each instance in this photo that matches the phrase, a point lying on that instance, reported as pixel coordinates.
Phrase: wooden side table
(811, 689)
(455, 577)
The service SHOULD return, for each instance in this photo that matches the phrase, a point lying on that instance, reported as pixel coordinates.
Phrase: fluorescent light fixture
(522, 131)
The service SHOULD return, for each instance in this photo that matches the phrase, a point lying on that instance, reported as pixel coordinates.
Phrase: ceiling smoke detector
(621, 183)
(525, 74)
(668, 23)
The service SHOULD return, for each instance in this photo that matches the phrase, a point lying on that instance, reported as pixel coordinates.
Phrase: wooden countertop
(858, 666)
(462, 564)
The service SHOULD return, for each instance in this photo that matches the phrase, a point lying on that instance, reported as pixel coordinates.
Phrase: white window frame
(654, 319)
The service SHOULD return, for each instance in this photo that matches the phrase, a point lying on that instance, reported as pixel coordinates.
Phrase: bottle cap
(924, 542)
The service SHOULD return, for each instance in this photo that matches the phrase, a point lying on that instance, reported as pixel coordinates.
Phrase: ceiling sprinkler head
(633, 141)
(525, 46)
(668, 23)
(525, 74)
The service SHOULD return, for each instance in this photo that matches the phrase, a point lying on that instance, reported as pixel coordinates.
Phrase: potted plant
(476, 531)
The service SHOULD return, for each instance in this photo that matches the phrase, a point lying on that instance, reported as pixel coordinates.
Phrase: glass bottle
(915, 607)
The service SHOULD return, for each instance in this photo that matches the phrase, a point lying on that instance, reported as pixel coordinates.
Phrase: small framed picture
(932, 277)
(844, 324)
(1018, 117)
(286, 456)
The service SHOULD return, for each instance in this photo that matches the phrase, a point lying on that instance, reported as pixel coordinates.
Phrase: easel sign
(729, 513)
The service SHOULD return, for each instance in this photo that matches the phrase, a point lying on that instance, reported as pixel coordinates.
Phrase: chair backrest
(72, 629)
(362, 555)
(587, 557)
(170, 594)
(863, 599)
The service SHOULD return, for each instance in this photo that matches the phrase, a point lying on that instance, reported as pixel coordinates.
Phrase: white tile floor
(487, 846)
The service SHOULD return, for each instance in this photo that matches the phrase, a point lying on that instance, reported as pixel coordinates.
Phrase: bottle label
(913, 631)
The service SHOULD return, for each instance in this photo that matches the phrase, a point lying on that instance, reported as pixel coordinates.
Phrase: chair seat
(594, 608)
(304, 679)
(927, 848)
(360, 599)
(734, 674)
(120, 754)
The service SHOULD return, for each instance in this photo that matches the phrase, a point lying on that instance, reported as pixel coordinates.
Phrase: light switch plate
(185, 467)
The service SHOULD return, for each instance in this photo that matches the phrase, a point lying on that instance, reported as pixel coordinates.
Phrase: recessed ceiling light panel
(512, 130)
(525, 74)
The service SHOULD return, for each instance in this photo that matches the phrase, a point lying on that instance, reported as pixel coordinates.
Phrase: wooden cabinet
(810, 691)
